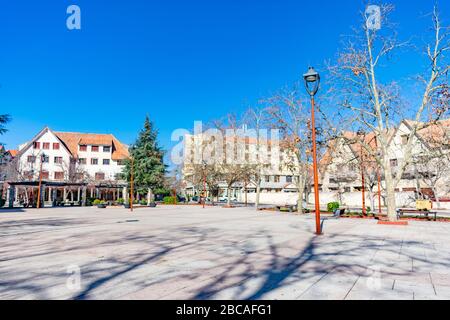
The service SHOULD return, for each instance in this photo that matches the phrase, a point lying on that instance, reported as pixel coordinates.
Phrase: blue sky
(177, 61)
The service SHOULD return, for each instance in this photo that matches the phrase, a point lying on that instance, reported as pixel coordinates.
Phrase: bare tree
(233, 169)
(255, 118)
(291, 116)
(432, 167)
(375, 106)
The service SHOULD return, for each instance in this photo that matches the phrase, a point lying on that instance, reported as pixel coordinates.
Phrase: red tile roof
(72, 140)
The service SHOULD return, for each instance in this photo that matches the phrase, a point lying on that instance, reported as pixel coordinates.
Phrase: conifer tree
(149, 167)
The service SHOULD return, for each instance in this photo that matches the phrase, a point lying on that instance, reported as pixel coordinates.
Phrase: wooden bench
(290, 208)
(339, 212)
(401, 212)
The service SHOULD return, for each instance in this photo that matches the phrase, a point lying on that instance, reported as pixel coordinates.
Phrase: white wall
(110, 170)
(352, 199)
(51, 167)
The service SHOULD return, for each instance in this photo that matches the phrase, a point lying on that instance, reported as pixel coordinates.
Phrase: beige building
(266, 156)
(427, 175)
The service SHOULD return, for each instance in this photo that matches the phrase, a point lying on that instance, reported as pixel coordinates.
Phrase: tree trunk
(149, 196)
(301, 191)
(436, 197)
(258, 192)
(372, 200)
(390, 197)
(229, 196)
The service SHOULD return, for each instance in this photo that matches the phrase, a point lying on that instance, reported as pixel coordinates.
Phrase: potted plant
(100, 204)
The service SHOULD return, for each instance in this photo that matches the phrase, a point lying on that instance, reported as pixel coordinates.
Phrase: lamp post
(312, 82)
(40, 181)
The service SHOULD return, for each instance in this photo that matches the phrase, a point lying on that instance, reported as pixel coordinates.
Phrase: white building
(276, 177)
(71, 162)
(427, 175)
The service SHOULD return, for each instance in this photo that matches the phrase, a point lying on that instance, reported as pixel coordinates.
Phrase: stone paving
(182, 252)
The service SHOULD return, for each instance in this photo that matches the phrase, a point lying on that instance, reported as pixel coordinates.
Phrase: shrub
(120, 201)
(169, 200)
(98, 201)
(333, 206)
(2, 202)
(143, 202)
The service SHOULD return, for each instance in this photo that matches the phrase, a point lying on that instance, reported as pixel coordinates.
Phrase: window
(46, 146)
(394, 162)
(79, 176)
(58, 160)
(276, 178)
(59, 175)
(31, 159)
(83, 148)
(82, 161)
(289, 179)
(45, 175)
(37, 145)
(106, 149)
(45, 159)
(99, 176)
(94, 161)
(404, 139)
(56, 146)
(28, 175)
(94, 148)
(267, 178)
(120, 162)
(106, 162)
(347, 189)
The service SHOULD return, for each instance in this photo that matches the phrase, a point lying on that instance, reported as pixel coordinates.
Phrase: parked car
(225, 199)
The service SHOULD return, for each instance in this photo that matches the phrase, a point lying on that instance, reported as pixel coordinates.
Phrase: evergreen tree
(149, 167)
(4, 119)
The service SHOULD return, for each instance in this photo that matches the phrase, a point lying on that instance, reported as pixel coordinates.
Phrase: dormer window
(83, 148)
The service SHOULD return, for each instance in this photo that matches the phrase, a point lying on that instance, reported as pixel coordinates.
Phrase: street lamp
(43, 157)
(312, 82)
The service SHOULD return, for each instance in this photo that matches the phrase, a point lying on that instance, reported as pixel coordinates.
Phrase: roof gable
(73, 140)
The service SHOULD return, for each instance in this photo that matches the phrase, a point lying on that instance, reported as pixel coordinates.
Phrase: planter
(152, 205)
(126, 206)
(393, 223)
(101, 206)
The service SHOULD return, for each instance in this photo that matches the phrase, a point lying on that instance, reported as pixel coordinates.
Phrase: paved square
(181, 252)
